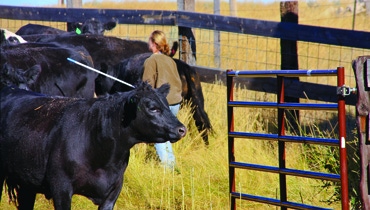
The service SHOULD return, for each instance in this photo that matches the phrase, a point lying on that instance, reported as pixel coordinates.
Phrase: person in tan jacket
(159, 69)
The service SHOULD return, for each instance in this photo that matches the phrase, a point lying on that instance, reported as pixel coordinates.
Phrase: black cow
(62, 146)
(108, 52)
(58, 76)
(105, 50)
(90, 26)
(130, 70)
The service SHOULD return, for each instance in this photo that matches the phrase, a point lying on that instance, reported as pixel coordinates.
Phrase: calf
(62, 146)
(130, 70)
(58, 76)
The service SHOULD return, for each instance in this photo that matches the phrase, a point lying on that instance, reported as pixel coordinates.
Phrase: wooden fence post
(73, 4)
(289, 56)
(216, 37)
(233, 10)
(361, 67)
(187, 44)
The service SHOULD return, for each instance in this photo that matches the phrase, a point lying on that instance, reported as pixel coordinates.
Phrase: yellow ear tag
(78, 31)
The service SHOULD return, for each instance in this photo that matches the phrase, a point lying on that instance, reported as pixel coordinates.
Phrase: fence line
(281, 30)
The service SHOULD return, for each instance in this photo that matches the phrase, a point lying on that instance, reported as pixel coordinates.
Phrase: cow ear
(164, 89)
(32, 74)
(110, 25)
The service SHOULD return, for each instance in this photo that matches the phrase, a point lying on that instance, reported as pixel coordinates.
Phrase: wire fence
(250, 52)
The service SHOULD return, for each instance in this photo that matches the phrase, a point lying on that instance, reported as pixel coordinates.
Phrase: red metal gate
(282, 138)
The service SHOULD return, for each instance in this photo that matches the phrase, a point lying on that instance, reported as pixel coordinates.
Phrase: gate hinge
(346, 91)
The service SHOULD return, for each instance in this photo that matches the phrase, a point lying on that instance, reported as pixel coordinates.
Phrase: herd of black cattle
(65, 129)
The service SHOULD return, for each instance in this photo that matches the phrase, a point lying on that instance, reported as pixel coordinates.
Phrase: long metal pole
(281, 144)
(342, 140)
(99, 72)
(230, 119)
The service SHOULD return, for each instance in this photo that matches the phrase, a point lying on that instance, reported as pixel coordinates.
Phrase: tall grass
(201, 178)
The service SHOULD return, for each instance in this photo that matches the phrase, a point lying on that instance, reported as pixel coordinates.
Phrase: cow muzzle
(180, 133)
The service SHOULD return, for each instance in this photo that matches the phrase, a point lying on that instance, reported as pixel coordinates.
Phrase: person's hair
(159, 39)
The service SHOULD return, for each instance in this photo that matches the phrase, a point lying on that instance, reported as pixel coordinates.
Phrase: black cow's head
(93, 26)
(18, 77)
(147, 113)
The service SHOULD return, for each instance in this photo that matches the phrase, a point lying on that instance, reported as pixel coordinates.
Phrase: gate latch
(346, 91)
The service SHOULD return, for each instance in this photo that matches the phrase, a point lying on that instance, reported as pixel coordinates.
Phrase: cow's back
(104, 50)
(58, 76)
(30, 29)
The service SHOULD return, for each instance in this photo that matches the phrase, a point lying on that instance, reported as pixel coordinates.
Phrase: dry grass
(203, 179)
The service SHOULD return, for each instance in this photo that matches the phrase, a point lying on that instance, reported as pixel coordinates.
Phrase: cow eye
(154, 110)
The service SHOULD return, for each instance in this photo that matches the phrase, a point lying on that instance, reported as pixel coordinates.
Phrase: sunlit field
(201, 180)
